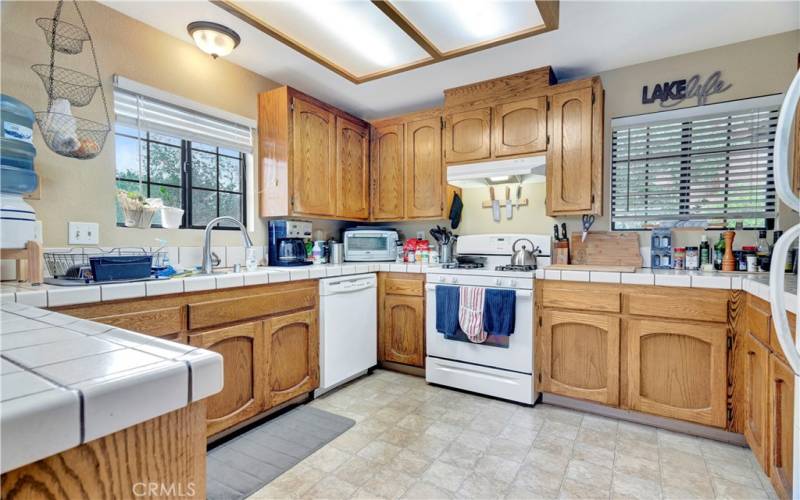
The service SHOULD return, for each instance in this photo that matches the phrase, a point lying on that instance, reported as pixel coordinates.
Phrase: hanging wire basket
(62, 83)
(62, 36)
(71, 136)
(65, 134)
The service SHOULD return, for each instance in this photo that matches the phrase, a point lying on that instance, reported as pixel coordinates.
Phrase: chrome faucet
(208, 267)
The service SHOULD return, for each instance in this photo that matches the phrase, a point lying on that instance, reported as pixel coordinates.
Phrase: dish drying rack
(68, 264)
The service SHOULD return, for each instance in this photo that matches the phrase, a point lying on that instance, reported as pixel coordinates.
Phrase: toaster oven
(370, 244)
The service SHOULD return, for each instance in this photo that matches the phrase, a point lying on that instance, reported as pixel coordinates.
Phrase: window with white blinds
(711, 163)
(139, 109)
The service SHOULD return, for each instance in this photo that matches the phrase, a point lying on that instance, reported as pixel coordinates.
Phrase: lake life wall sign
(670, 94)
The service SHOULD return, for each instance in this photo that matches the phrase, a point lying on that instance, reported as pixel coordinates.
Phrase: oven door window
(368, 243)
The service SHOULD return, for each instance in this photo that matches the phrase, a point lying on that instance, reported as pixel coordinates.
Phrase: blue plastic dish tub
(121, 267)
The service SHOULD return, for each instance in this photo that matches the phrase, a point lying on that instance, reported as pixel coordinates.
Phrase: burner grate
(512, 267)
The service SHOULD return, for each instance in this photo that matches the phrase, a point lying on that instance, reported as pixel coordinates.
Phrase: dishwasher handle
(350, 286)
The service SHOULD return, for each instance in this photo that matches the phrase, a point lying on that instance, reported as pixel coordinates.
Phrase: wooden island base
(161, 458)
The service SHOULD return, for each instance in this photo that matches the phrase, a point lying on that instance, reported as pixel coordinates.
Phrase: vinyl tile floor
(414, 440)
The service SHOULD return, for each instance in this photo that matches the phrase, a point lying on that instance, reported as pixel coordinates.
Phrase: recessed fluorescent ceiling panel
(351, 34)
(458, 24)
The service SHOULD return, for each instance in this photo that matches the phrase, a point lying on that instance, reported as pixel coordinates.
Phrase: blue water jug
(16, 146)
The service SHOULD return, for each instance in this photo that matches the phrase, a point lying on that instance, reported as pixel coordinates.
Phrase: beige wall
(74, 190)
(755, 68)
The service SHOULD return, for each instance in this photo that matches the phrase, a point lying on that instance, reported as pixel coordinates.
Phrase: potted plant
(138, 211)
(170, 216)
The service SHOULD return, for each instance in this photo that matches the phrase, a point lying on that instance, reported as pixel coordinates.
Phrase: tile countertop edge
(55, 296)
(60, 404)
(755, 284)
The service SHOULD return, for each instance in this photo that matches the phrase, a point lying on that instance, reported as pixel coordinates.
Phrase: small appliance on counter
(287, 242)
(370, 244)
(17, 176)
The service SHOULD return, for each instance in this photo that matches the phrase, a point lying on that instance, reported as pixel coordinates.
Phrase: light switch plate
(84, 233)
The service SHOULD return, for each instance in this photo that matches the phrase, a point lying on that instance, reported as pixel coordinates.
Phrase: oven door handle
(519, 293)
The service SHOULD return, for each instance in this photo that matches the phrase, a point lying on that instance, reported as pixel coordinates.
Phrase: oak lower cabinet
(292, 355)
(243, 349)
(580, 355)
(312, 158)
(401, 318)
(756, 387)
(780, 425)
(677, 369)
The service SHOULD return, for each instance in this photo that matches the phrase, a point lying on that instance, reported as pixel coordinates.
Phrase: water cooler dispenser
(17, 177)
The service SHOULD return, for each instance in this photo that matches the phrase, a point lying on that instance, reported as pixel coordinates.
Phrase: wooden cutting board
(606, 248)
(588, 267)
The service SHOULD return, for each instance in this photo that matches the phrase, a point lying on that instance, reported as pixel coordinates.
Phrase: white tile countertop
(65, 381)
(55, 296)
(756, 284)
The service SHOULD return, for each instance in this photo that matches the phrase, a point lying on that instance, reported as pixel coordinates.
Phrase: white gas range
(501, 368)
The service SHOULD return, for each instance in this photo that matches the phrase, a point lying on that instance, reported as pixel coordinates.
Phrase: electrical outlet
(84, 233)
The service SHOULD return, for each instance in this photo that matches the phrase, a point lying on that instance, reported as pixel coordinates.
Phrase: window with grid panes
(212, 184)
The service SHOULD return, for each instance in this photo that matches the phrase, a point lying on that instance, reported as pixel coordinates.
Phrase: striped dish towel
(470, 313)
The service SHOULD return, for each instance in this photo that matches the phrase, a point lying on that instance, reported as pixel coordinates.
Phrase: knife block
(561, 252)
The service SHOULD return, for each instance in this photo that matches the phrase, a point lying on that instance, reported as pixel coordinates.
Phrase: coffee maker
(287, 242)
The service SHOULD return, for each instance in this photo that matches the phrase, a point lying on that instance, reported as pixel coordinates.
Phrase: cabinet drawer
(165, 322)
(686, 304)
(758, 319)
(584, 297)
(222, 311)
(404, 285)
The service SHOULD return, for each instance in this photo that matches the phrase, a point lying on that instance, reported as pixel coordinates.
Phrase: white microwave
(367, 244)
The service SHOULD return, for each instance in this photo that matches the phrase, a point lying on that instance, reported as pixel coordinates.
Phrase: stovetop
(516, 267)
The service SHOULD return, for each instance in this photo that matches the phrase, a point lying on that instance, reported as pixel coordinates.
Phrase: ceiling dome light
(213, 38)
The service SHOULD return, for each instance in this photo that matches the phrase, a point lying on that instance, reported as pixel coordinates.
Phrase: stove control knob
(512, 283)
(453, 280)
(441, 279)
(498, 282)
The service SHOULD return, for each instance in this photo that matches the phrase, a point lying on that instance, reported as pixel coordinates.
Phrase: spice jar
(679, 259)
(747, 252)
(692, 258)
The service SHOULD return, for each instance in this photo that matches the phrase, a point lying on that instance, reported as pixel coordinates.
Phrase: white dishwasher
(348, 334)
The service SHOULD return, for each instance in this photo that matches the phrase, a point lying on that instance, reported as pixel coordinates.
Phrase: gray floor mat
(251, 460)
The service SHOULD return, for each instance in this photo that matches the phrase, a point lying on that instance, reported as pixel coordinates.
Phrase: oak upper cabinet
(312, 158)
(407, 168)
(401, 318)
(468, 135)
(575, 154)
(677, 369)
(781, 422)
(580, 355)
(243, 395)
(520, 127)
(292, 355)
(424, 170)
(352, 169)
(755, 398)
(387, 171)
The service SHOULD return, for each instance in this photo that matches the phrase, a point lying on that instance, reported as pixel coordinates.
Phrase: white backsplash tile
(190, 256)
(234, 255)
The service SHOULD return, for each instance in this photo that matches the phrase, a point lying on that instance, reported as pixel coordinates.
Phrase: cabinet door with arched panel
(581, 355)
(520, 127)
(292, 355)
(468, 135)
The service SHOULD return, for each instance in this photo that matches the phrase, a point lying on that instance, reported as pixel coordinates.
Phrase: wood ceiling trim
(404, 24)
(548, 9)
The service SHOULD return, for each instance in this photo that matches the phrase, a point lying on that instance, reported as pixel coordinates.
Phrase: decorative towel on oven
(470, 313)
(446, 309)
(498, 311)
